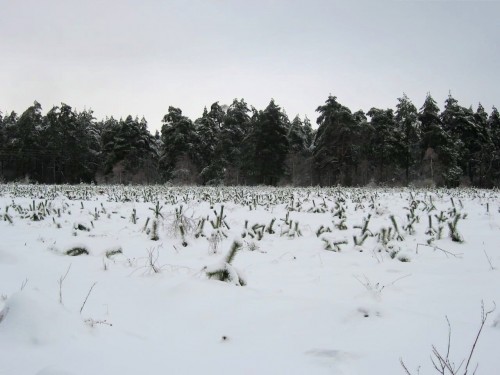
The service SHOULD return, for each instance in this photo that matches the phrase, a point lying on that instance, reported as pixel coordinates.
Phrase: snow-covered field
(343, 281)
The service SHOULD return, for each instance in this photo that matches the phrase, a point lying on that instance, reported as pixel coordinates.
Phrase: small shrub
(112, 252)
(404, 258)
(454, 234)
(82, 227)
(154, 231)
(76, 251)
(225, 271)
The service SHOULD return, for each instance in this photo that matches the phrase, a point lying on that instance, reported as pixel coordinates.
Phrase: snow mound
(32, 318)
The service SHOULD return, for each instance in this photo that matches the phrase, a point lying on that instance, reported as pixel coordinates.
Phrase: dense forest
(238, 145)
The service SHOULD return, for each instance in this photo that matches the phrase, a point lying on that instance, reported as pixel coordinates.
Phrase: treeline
(238, 144)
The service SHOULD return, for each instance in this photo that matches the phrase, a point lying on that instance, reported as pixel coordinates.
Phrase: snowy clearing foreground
(343, 281)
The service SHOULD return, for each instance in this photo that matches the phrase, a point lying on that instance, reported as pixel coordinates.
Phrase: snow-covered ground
(313, 302)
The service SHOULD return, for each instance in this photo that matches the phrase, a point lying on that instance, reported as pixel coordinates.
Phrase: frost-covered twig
(484, 317)
(442, 362)
(406, 369)
(92, 322)
(489, 260)
(23, 284)
(86, 298)
(446, 252)
(61, 280)
(377, 287)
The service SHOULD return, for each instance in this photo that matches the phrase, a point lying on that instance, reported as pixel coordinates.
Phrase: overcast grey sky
(123, 57)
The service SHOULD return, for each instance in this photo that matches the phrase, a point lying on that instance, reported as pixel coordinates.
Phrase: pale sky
(139, 57)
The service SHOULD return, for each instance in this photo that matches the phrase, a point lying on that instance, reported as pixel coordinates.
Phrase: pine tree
(434, 139)
(299, 161)
(235, 128)
(269, 138)
(71, 145)
(482, 148)
(494, 127)
(309, 134)
(409, 128)
(209, 161)
(362, 174)
(336, 144)
(88, 150)
(178, 146)
(384, 149)
(430, 125)
(9, 152)
(460, 124)
(108, 130)
(1, 130)
(27, 142)
(131, 148)
(297, 137)
(3, 144)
